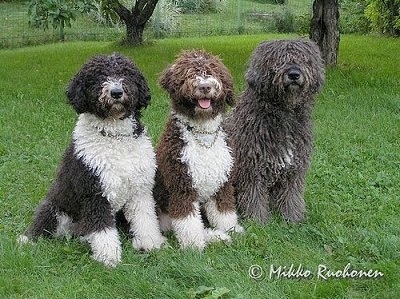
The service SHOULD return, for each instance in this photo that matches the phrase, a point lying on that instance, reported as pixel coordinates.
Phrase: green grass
(352, 189)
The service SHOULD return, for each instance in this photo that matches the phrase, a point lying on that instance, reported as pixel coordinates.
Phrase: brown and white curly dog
(271, 128)
(194, 158)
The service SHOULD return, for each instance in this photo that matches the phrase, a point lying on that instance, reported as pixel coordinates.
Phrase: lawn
(352, 190)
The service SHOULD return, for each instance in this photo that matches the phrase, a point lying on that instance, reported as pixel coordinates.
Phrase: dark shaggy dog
(193, 157)
(108, 167)
(272, 130)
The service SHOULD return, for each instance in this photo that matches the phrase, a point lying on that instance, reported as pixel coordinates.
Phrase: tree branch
(121, 10)
(144, 9)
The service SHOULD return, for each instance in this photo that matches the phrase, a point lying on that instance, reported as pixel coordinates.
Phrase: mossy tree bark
(324, 29)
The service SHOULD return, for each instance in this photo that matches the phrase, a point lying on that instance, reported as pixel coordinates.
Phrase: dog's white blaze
(123, 165)
(227, 221)
(106, 246)
(112, 83)
(215, 83)
(209, 168)
(190, 230)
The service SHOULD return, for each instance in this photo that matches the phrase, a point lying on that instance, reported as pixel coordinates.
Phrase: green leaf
(219, 292)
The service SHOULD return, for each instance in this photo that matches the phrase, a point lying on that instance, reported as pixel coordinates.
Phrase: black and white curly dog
(194, 157)
(108, 167)
(271, 128)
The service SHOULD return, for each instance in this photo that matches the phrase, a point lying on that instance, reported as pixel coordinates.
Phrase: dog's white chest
(124, 164)
(208, 159)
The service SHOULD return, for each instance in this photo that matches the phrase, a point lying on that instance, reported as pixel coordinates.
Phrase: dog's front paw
(237, 229)
(195, 243)
(109, 258)
(215, 235)
(106, 246)
(148, 243)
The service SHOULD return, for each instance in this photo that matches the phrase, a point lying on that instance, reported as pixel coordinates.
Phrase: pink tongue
(204, 103)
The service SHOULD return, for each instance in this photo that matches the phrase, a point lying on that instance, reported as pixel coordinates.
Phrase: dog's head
(109, 87)
(286, 69)
(199, 84)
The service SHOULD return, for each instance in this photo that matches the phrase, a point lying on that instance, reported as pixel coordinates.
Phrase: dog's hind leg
(288, 197)
(97, 227)
(253, 201)
(141, 215)
(44, 223)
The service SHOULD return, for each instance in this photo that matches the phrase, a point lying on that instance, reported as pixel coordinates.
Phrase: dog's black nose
(116, 93)
(294, 74)
(204, 87)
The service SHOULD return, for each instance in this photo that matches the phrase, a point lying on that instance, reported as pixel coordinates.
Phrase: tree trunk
(134, 33)
(135, 19)
(324, 29)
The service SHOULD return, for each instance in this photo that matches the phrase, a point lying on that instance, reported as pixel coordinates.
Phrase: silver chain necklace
(197, 132)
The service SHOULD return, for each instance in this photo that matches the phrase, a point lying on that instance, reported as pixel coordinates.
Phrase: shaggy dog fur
(271, 128)
(193, 157)
(108, 167)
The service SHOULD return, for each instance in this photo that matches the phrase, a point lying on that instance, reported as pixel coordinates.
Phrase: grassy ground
(352, 189)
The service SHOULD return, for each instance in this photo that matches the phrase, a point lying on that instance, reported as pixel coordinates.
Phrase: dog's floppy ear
(165, 80)
(255, 80)
(230, 98)
(251, 77)
(316, 58)
(76, 94)
(144, 92)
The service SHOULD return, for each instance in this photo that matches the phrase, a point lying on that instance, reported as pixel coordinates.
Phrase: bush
(352, 18)
(284, 21)
(302, 24)
(384, 16)
(271, 1)
(199, 6)
(59, 13)
(165, 18)
(103, 14)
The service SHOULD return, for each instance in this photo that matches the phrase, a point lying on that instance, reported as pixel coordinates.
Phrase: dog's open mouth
(204, 103)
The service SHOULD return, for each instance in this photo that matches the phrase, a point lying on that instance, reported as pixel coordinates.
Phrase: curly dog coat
(271, 128)
(109, 166)
(194, 158)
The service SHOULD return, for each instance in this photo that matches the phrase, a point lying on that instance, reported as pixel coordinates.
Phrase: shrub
(165, 18)
(352, 18)
(284, 21)
(302, 24)
(59, 13)
(271, 1)
(384, 16)
(199, 6)
(103, 14)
